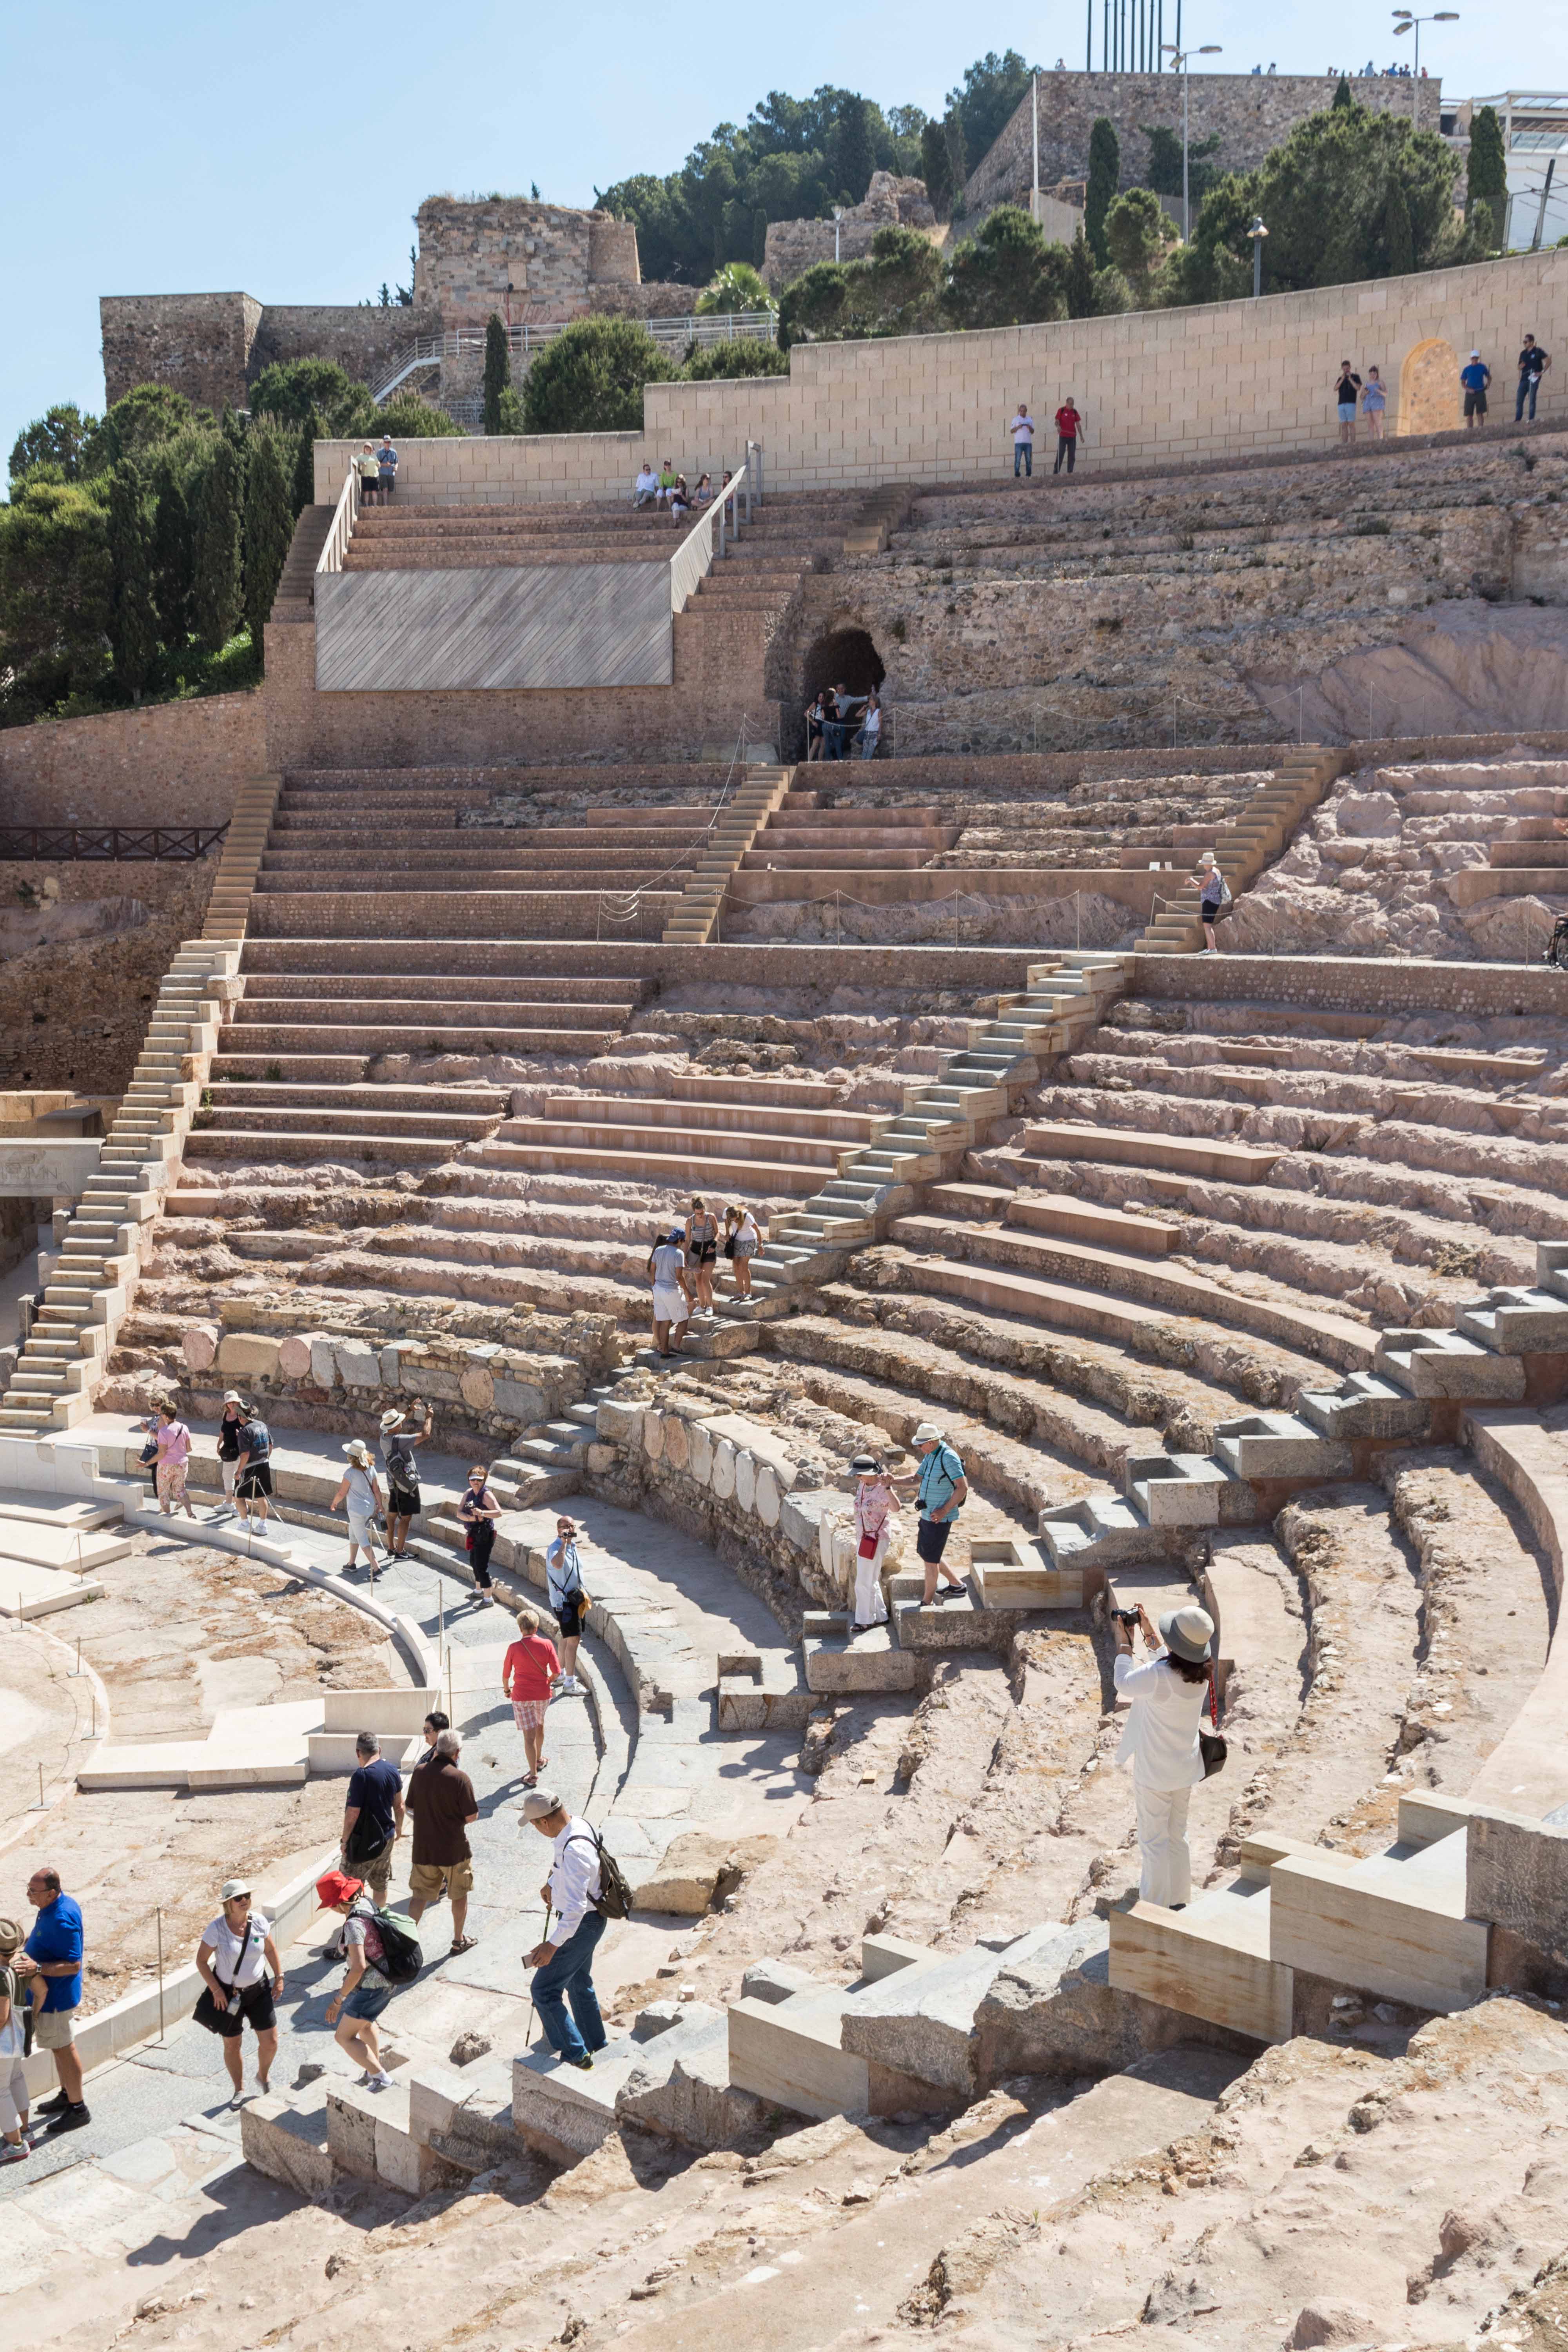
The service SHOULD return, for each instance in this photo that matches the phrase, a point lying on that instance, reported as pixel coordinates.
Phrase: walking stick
(528, 2029)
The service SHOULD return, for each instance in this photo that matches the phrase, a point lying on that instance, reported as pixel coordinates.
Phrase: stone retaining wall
(170, 763)
(1333, 985)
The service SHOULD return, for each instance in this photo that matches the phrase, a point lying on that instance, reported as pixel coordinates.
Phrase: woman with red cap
(365, 1989)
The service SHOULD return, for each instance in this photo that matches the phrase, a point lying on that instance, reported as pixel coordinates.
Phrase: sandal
(530, 1779)
(464, 1944)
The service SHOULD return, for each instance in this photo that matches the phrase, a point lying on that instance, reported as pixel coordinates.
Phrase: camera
(1128, 1617)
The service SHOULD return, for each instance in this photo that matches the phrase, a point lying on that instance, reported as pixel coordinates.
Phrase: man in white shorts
(671, 1308)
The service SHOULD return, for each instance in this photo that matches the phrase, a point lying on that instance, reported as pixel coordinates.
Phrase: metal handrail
(113, 844)
(693, 559)
(341, 528)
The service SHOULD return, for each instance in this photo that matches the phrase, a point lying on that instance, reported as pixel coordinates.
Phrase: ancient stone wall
(793, 246)
(1251, 112)
(1228, 380)
(364, 340)
(199, 343)
(172, 763)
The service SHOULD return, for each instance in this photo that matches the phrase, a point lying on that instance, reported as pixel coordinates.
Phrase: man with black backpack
(398, 1439)
(373, 1815)
(583, 1892)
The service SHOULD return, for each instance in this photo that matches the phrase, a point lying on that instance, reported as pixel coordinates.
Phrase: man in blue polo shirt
(53, 1970)
(942, 1491)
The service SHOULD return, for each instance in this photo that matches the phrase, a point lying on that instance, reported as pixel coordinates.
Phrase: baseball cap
(539, 1804)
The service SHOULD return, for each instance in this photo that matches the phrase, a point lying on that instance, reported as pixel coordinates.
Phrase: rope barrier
(625, 906)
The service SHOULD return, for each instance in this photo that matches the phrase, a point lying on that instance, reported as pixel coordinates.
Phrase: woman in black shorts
(240, 1969)
(701, 1239)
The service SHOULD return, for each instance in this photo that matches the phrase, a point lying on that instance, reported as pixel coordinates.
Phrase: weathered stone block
(768, 1499)
(619, 1424)
(800, 1518)
(602, 1458)
(358, 1366)
(199, 1345)
(294, 1356)
(653, 1435)
(245, 1355)
(723, 1478)
(477, 1389)
(746, 1479)
(324, 1366)
(519, 1400)
(1516, 1875)
(700, 1452)
(677, 1449)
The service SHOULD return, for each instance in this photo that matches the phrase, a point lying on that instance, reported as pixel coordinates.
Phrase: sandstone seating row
(53, 1550)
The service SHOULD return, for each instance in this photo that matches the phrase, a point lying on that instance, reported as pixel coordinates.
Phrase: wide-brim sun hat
(233, 1888)
(357, 1450)
(232, 1396)
(1187, 1633)
(927, 1434)
(10, 1936)
(393, 1414)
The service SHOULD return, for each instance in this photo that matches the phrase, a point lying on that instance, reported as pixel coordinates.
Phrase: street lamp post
(1407, 21)
(837, 216)
(1179, 59)
(1256, 233)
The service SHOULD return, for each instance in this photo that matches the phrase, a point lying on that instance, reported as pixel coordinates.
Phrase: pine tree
(1486, 175)
(1398, 236)
(1079, 289)
(936, 169)
(172, 573)
(1104, 173)
(268, 521)
(133, 630)
(856, 159)
(498, 371)
(215, 587)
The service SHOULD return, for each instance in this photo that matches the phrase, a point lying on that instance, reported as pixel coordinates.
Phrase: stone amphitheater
(1237, 1278)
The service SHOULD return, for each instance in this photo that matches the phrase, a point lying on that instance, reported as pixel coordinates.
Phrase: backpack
(614, 1900)
(403, 1467)
(402, 1954)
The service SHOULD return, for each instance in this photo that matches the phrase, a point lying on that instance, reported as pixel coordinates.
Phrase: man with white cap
(1160, 1742)
(1475, 377)
(943, 1491)
(564, 1962)
(359, 1492)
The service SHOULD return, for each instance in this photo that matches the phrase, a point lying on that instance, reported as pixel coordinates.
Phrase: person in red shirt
(1069, 422)
(527, 1671)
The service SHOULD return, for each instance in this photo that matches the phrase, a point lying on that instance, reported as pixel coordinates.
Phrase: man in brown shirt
(441, 1799)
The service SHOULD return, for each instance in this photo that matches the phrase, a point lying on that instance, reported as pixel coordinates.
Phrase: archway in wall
(845, 657)
(1429, 398)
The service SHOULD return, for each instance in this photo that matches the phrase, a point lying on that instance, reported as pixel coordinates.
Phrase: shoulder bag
(207, 2011)
(1211, 1747)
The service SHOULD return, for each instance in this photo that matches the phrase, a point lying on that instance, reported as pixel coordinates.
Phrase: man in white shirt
(1022, 428)
(646, 491)
(568, 1602)
(564, 1962)
(666, 1268)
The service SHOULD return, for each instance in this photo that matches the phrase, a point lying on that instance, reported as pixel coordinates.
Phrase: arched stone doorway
(1429, 388)
(845, 658)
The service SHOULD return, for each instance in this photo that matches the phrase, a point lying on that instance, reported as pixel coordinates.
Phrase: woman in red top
(527, 1671)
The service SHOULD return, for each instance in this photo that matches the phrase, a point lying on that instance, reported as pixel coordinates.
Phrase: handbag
(1211, 1747)
(206, 2011)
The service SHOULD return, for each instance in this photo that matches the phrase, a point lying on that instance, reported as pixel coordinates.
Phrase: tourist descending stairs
(105, 1235)
(940, 1121)
(1244, 846)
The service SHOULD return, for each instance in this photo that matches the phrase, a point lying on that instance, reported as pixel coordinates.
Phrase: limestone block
(653, 1435)
(800, 1517)
(519, 1400)
(323, 1370)
(700, 1451)
(676, 1448)
(359, 1367)
(1516, 1874)
(286, 2138)
(828, 1527)
(294, 1356)
(245, 1355)
(746, 1479)
(478, 1390)
(602, 1458)
(403, 1366)
(723, 1478)
(435, 1387)
(788, 2052)
(619, 1424)
(698, 1866)
(775, 1980)
(919, 2020)
(351, 2128)
(769, 1502)
(199, 1345)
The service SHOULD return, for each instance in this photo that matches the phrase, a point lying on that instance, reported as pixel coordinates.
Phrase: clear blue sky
(165, 147)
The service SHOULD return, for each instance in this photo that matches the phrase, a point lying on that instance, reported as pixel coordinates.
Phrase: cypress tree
(1079, 287)
(216, 586)
(1342, 96)
(957, 161)
(936, 169)
(1398, 236)
(498, 371)
(1104, 175)
(856, 160)
(268, 521)
(172, 567)
(310, 432)
(1486, 175)
(133, 629)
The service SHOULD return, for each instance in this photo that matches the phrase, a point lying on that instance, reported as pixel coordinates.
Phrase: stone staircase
(296, 598)
(940, 1121)
(1247, 842)
(730, 837)
(105, 1237)
(244, 847)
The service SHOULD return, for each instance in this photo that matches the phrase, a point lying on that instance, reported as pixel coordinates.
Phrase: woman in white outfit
(876, 1518)
(1160, 1743)
(361, 1491)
